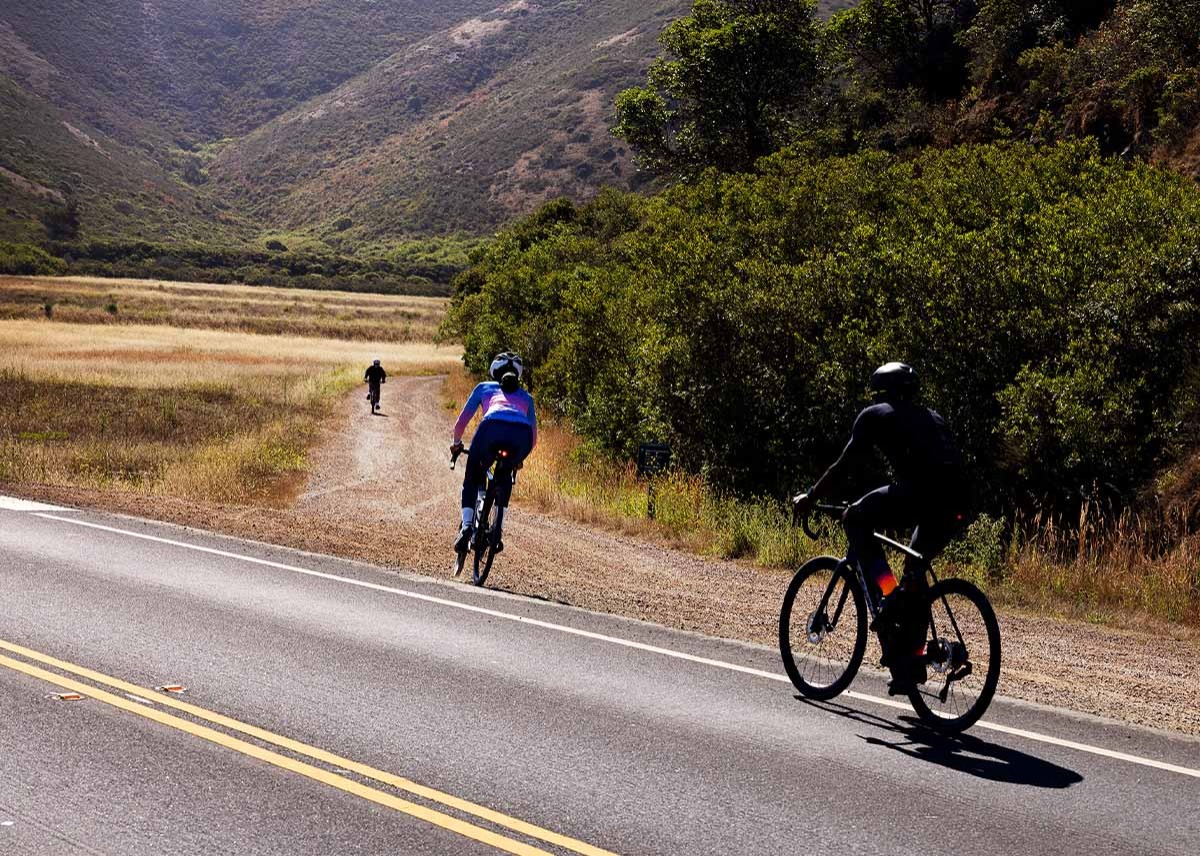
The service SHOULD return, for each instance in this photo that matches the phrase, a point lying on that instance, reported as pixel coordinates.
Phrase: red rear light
(503, 453)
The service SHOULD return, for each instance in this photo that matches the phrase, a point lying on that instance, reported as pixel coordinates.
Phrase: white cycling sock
(468, 516)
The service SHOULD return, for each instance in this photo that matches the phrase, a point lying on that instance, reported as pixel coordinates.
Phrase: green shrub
(1047, 296)
(28, 260)
(403, 271)
(981, 547)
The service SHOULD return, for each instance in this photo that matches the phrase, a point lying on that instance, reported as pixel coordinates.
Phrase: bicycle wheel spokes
(485, 551)
(963, 650)
(822, 630)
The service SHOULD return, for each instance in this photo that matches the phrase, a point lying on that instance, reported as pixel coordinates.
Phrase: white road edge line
(13, 503)
(627, 643)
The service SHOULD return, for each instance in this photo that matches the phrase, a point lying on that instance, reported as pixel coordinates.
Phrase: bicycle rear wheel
(485, 543)
(822, 628)
(963, 652)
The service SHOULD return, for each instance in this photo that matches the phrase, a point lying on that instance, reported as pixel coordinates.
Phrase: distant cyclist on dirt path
(374, 377)
(509, 419)
(929, 493)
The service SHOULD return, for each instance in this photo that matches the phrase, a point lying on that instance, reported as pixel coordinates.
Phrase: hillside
(193, 72)
(328, 123)
(461, 131)
(216, 121)
(49, 158)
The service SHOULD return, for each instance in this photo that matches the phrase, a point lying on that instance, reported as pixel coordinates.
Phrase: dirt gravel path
(381, 489)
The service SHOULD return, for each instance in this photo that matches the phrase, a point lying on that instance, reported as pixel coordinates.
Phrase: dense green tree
(742, 79)
(28, 260)
(906, 44)
(62, 221)
(737, 72)
(1046, 295)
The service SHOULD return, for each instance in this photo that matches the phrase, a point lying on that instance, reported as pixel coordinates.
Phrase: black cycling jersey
(375, 374)
(916, 443)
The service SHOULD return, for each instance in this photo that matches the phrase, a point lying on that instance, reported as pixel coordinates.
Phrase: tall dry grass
(1103, 567)
(198, 414)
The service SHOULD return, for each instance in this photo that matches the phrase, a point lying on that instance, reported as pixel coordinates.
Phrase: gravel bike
(373, 397)
(823, 635)
(489, 516)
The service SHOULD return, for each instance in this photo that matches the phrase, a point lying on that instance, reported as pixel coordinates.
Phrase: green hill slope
(460, 131)
(320, 121)
(409, 106)
(50, 158)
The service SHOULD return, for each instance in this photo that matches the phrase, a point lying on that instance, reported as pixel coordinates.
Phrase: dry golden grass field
(249, 309)
(225, 414)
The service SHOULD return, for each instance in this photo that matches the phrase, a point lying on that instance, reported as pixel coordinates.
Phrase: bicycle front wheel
(962, 650)
(822, 628)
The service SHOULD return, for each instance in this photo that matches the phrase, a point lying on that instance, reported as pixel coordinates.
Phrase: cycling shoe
(907, 677)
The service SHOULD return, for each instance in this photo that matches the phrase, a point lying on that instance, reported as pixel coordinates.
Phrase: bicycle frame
(868, 596)
(499, 467)
(925, 565)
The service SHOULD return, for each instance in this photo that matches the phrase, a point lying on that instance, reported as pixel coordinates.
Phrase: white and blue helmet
(505, 363)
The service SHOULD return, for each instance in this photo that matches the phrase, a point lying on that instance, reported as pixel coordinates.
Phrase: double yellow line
(429, 815)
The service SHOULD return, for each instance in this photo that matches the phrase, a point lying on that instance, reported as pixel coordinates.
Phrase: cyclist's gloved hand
(456, 448)
(802, 506)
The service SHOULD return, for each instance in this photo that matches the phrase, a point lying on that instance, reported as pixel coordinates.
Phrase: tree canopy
(739, 70)
(1046, 296)
(743, 79)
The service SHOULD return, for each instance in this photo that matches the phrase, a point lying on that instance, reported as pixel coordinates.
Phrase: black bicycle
(823, 635)
(489, 516)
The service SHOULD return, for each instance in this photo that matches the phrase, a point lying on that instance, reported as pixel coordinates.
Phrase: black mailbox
(652, 459)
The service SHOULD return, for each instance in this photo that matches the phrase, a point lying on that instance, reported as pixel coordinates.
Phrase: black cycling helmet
(894, 381)
(507, 369)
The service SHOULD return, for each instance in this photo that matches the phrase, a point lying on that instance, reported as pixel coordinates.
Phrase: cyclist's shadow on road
(963, 752)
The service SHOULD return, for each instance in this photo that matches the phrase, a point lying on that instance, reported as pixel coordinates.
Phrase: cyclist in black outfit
(929, 493)
(374, 376)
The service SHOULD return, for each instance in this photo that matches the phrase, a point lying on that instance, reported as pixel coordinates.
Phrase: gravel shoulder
(380, 489)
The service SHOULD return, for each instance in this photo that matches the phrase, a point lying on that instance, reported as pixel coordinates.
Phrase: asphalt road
(333, 707)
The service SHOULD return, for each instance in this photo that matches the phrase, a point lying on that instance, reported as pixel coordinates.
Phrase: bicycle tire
(924, 697)
(485, 548)
(481, 571)
(848, 592)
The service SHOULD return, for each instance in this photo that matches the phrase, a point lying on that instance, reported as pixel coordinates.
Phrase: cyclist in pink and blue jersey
(510, 420)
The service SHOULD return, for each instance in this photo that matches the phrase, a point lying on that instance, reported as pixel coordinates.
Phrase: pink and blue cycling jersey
(498, 405)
